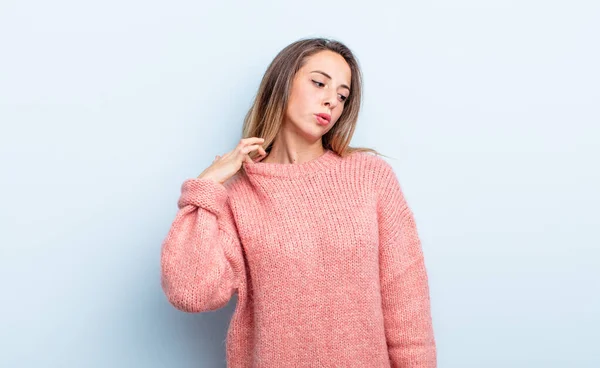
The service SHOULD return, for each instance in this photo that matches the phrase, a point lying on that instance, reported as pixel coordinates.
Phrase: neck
(291, 151)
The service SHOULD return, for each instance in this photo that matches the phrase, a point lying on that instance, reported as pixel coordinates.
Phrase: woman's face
(320, 87)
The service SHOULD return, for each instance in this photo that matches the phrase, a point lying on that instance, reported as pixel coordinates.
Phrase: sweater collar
(326, 160)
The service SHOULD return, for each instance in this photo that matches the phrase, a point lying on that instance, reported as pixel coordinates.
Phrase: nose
(331, 100)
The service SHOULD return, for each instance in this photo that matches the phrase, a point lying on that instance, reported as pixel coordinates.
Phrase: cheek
(338, 111)
(307, 96)
(301, 100)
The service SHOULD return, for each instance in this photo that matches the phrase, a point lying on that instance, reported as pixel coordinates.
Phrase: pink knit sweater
(325, 258)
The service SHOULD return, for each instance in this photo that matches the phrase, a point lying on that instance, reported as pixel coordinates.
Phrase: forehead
(331, 63)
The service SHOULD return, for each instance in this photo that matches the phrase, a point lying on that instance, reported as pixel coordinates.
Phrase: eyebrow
(328, 76)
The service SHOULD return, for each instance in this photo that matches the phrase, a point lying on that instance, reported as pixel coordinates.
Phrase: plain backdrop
(489, 110)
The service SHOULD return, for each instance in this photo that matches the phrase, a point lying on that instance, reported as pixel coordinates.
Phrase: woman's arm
(404, 282)
(201, 258)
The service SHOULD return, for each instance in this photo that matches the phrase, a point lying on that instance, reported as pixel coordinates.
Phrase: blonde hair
(265, 116)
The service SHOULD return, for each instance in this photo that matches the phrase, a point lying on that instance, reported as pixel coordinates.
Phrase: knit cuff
(203, 193)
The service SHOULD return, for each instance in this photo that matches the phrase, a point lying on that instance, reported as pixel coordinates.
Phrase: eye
(319, 84)
(343, 98)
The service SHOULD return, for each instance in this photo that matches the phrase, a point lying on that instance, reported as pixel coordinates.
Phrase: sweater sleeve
(404, 281)
(201, 258)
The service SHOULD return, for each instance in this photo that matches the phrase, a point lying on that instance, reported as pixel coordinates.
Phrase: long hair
(265, 116)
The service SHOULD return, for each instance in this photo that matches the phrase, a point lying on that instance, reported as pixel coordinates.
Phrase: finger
(251, 140)
(259, 158)
(247, 149)
(262, 154)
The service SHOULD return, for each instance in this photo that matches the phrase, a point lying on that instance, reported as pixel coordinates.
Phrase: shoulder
(376, 166)
(240, 188)
(381, 177)
(235, 184)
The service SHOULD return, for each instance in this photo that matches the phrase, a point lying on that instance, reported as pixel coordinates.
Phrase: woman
(315, 237)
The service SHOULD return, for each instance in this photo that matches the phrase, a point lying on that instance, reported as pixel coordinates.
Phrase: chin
(309, 130)
(312, 133)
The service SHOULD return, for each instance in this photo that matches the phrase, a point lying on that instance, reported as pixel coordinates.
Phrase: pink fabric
(325, 258)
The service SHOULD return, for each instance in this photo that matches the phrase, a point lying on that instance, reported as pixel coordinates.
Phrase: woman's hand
(224, 167)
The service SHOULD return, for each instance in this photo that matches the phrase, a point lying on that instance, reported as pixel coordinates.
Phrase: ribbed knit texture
(325, 258)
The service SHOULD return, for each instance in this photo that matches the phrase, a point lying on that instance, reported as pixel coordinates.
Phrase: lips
(325, 117)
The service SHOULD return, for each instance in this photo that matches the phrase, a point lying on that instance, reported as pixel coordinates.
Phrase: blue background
(489, 109)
